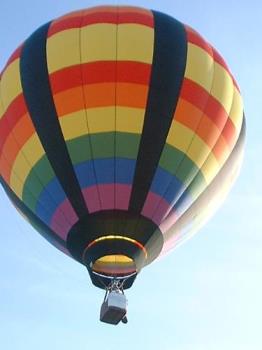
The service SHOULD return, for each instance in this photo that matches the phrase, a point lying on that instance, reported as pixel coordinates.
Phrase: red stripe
(229, 133)
(11, 117)
(194, 38)
(101, 17)
(16, 54)
(100, 72)
(199, 97)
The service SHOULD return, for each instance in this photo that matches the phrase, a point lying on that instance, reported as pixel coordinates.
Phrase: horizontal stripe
(236, 112)
(193, 118)
(1, 110)
(29, 197)
(15, 55)
(171, 159)
(197, 96)
(229, 133)
(17, 138)
(42, 169)
(119, 119)
(124, 171)
(150, 204)
(135, 43)
(84, 172)
(196, 39)
(126, 146)
(16, 110)
(10, 84)
(111, 196)
(104, 15)
(101, 95)
(189, 143)
(163, 181)
(58, 194)
(44, 230)
(64, 210)
(221, 149)
(100, 72)
(27, 157)
(222, 87)
(199, 67)
(63, 50)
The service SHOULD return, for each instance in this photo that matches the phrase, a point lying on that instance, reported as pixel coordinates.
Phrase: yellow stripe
(203, 70)
(199, 66)
(10, 84)
(119, 259)
(199, 151)
(210, 168)
(184, 139)
(98, 42)
(129, 119)
(74, 125)
(135, 43)
(222, 88)
(179, 136)
(28, 156)
(63, 50)
(101, 119)
(236, 113)
(1, 106)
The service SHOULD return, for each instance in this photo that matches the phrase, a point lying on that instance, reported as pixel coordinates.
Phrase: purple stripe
(169, 221)
(150, 205)
(63, 210)
(107, 196)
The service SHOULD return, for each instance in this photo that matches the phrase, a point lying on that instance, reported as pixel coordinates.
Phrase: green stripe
(103, 147)
(198, 184)
(171, 161)
(126, 147)
(37, 179)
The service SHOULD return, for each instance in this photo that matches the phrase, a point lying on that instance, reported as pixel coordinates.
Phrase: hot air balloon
(120, 130)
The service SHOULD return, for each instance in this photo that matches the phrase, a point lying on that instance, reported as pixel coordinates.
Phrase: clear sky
(213, 301)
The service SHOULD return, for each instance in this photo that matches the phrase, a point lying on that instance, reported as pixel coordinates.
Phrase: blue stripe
(86, 177)
(104, 169)
(167, 185)
(46, 201)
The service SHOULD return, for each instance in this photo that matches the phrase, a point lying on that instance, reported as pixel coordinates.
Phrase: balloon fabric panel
(115, 122)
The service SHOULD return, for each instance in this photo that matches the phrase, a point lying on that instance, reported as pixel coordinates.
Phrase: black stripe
(168, 67)
(39, 100)
(42, 228)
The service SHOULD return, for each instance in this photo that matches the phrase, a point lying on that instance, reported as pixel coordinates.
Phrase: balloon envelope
(119, 127)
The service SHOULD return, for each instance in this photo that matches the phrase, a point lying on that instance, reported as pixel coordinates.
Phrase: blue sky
(213, 297)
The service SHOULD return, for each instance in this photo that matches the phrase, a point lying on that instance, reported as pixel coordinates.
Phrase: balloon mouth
(114, 233)
(117, 265)
(115, 255)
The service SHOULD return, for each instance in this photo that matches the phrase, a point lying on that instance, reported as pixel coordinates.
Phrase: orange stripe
(5, 169)
(192, 117)
(208, 132)
(101, 95)
(187, 114)
(220, 149)
(23, 130)
(195, 94)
